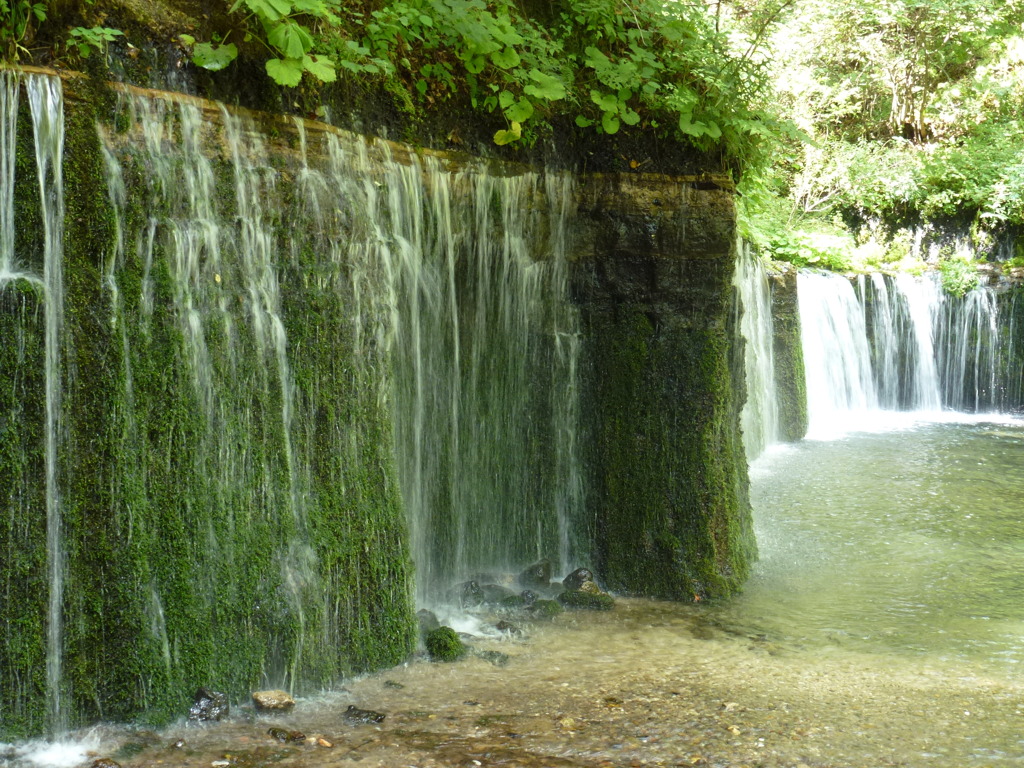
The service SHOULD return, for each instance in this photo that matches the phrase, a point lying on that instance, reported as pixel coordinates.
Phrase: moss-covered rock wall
(666, 467)
(787, 349)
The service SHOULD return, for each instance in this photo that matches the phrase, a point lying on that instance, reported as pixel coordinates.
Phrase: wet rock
(326, 743)
(513, 602)
(179, 744)
(470, 593)
(278, 734)
(296, 736)
(392, 684)
(508, 628)
(104, 762)
(356, 715)
(529, 597)
(586, 599)
(272, 701)
(545, 609)
(577, 578)
(443, 644)
(208, 705)
(428, 621)
(495, 594)
(497, 658)
(537, 575)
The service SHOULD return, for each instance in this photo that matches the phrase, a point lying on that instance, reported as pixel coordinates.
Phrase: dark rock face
(356, 715)
(427, 620)
(208, 705)
(790, 384)
(667, 475)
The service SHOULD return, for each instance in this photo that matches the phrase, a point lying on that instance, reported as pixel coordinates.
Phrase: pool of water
(906, 542)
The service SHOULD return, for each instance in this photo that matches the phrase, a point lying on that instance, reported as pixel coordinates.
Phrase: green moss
(787, 348)
(673, 518)
(591, 601)
(443, 644)
(545, 609)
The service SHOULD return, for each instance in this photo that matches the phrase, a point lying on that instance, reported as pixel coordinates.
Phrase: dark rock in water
(104, 762)
(537, 575)
(272, 701)
(209, 705)
(393, 684)
(497, 658)
(428, 621)
(443, 644)
(296, 736)
(545, 609)
(577, 578)
(512, 602)
(587, 600)
(278, 734)
(470, 593)
(494, 594)
(356, 715)
(179, 744)
(529, 597)
(508, 628)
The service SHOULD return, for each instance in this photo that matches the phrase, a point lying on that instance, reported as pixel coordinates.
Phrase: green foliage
(89, 39)
(16, 17)
(959, 276)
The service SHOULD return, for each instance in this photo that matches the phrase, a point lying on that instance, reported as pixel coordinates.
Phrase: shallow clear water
(909, 541)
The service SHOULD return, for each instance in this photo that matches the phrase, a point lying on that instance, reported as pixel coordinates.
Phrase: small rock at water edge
(272, 701)
(208, 705)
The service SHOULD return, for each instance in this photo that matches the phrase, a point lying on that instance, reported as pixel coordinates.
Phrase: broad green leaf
(290, 38)
(285, 71)
(629, 117)
(320, 67)
(520, 112)
(272, 10)
(506, 99)
(547, 87)
(213, 57)
(421, 86)
(713, 130)
(610, 123)
(187, 39)
(583, 122)
(606, 101)
(506, 58)
(475, 64)
(502, 138)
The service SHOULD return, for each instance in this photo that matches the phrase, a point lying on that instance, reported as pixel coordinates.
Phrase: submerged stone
(443, 644)
(356, 715)
(208, 705)
(494, 594)
(545, 609)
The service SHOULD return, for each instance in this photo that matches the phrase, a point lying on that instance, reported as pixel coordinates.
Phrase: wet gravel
(649, 683)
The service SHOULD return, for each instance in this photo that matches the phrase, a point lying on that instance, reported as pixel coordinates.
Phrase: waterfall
(759, 418)
(837, 357)
(900, 343)
(486, 345)
(47, 106)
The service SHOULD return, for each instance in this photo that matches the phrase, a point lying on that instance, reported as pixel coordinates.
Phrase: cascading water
(900, 343)
(760, 416)
(486, 345)
(837, 357)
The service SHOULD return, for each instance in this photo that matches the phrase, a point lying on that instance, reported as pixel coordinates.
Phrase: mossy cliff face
(667, 474)
(790, 381)
(230, 514)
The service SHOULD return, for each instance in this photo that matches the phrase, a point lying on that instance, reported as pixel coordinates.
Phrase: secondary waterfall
(760, 416)
(882, 343)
